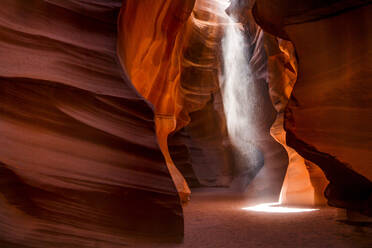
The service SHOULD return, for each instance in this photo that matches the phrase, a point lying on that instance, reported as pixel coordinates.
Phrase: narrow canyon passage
(217, 217)
(185, 123)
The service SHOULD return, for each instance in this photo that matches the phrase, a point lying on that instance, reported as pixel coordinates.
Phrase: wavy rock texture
(80, 164)
(209, 144)
(174, 63)
(210, 22)
(202, 150)
(149, 46)
(181, 156)
(331, 126)
(304, 182)
(211, 153)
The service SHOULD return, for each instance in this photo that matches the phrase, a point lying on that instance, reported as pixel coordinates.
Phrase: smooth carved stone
(208, 144)
(331, 127)
(274, 15)
(304, 183)
(150, 40)
(79, 161)
(181, 156)
(174, 63)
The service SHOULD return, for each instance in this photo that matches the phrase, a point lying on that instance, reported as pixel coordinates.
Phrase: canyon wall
(328, 116)
(79, 154)
(214, 159)
(110, 110)
(150, 41)
(171, 52)
(209, 144)
(304, 182)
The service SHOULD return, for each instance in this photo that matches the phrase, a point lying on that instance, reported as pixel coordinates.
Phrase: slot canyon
(185, 123)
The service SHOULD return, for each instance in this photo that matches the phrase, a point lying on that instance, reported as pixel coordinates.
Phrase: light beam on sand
(275, 207)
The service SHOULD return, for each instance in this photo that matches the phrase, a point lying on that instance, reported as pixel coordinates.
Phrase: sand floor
(216, 220)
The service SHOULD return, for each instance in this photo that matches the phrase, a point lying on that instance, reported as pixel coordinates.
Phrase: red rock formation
(210, 21)
(174, 63)
(328, 117)
(80, 164)
(304, 182)
(149, 46)
(199, 77)
(209, 146)
(95, 115)
(201, 65)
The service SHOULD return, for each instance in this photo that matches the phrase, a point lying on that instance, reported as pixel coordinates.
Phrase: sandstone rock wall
(200, 77)
(79, 160)
(150, 41)
(174, 62)
(304, 183)
(328, 117)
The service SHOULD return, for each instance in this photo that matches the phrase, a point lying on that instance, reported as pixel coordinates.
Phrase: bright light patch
(275, 207)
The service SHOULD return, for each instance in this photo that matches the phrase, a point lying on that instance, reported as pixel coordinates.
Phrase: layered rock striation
(328, 117)
(79, 159)
(174, 62)
(304, 182)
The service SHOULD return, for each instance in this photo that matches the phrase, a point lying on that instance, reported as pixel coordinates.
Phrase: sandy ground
(215, 219)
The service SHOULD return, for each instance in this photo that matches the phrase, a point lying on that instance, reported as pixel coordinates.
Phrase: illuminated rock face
(78, 147)
(304, 182)
(328, 117)
(202, 63)
(93, 121)
(151, 36)
(174, 63)
(183, 85)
